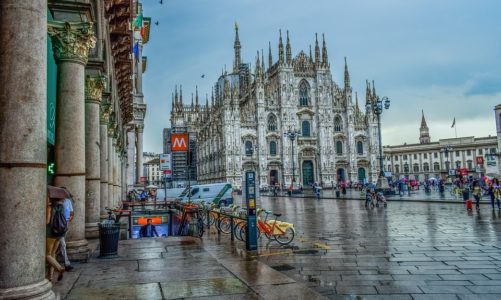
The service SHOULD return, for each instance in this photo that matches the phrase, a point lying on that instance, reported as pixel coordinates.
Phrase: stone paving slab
(203, 287)
(149, 291)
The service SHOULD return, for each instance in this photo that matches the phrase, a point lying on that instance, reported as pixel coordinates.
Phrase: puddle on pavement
(283, 267)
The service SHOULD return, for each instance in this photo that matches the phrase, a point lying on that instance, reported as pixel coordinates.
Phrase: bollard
(232, 229)
(208, 219)
(218, 224)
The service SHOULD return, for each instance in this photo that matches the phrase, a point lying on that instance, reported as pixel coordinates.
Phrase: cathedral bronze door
(308, 178)
(361, 175)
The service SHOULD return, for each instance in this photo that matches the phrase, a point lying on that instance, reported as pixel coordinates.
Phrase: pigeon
(156, 23)
(161, 1)
(203, 76)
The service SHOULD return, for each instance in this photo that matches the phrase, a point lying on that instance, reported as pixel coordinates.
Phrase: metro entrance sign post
(250, 199)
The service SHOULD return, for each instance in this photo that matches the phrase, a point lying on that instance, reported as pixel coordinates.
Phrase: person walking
(317, 191)
(69, 214)
(54, 231)
(476, 191)
(496, 192)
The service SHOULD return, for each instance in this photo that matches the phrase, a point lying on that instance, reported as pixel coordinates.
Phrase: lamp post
(376, 106)
(446, 149)
(258, 175)
(292, 134)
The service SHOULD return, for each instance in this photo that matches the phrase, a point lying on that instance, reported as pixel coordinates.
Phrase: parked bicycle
(282, 232)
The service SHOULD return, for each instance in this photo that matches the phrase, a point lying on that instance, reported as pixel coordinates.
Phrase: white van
(171, 193)
(218, 193)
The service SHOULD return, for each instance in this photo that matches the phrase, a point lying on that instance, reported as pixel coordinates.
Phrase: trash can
(108, 240)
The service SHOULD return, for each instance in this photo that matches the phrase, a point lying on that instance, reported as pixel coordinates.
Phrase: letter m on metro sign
(179, 142)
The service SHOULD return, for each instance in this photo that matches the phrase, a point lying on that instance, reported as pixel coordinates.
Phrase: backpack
(58, 222)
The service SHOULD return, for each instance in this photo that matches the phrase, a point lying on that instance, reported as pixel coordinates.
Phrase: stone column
(23, 149)
(114, 170)
(131, 146)
(93, 93)
(111, 150)
(139, 152)
(71, 42)
(103, 141)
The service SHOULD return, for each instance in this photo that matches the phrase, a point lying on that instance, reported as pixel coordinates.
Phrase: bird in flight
(156, 23)
(203, 76)
(161, 1)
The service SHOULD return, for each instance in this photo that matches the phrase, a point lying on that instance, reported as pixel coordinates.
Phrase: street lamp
(292, 134)
(376, 107)
(446, 149)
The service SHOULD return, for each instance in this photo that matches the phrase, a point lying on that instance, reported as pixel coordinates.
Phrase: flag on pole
(138, 21)
(135, 50)
(453, 122)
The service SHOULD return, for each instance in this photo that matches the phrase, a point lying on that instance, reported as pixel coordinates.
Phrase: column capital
(94, 86)
(105, 113)
(71, 40)
(140, 127)
(111, 128)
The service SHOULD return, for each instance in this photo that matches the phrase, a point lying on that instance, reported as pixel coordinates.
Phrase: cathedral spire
(262, 61)
(373, 89)
(368, 96)
(325, 60)
(172, 106)
(196, 95)
(192, 104)
(311, 55)
(424, 132)
(288, 51)
(346, 75)
(257, 70)
(181, 95)
(280, 49)
(236, 46)
(317, 51)
(212, 95)
(270, 58)
(176, 98)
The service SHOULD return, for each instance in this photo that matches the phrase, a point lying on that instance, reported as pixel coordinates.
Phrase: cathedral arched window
(339, 148)
(360, 147)
(436, 166)
(426, 167)
(406, 168)
(305, 128)
(415, 168)
(338, 124)
(248, 148)
(273, 148)
(303, 93)
(272, 123)
(397, 169)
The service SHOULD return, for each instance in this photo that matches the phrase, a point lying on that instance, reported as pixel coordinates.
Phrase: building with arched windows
(439, 159)
(243, 128)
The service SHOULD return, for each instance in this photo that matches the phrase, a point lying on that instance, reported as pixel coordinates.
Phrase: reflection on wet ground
(409, 250)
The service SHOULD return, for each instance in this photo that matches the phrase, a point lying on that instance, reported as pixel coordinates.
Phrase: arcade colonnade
(84, 50)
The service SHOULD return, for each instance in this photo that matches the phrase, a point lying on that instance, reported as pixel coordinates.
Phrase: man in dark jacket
(148, 230)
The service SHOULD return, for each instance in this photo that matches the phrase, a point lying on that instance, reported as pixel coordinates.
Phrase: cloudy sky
(443, 57)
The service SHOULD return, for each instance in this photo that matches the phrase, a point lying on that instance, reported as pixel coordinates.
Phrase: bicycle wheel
(241, 233)
(286, 237)
(225, 225)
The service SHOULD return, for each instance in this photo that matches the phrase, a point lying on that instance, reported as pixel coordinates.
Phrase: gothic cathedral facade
(247, 126)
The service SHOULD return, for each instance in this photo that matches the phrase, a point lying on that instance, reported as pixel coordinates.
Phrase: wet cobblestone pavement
(409, 250)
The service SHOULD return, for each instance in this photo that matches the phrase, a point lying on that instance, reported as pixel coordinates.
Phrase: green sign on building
(51, 90)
